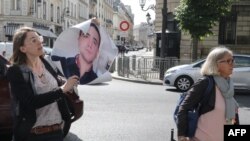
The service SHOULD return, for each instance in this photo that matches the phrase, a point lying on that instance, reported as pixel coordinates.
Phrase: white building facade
(51, 17)
(48, 17)
(232, 31)
(123, 22)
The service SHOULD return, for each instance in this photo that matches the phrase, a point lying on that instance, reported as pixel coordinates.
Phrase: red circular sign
(124, 25)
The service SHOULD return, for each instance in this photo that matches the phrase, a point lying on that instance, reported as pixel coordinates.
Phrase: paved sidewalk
(139, 80)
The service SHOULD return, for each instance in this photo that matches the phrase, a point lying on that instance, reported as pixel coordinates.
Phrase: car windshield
(198, 62)
(241, 61)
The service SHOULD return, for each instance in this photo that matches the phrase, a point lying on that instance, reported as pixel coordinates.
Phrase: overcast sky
(140, 16)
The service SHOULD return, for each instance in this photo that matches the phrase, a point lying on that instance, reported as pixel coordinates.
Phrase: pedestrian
(82, 64)
(221, 107)
(39, 107)
(4, 54)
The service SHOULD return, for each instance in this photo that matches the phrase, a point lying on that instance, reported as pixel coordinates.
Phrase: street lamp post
(150, 31)
(163, 32)
(65, 12)
(148, 18)
(164, 27)
(142, 4)
(163, 38)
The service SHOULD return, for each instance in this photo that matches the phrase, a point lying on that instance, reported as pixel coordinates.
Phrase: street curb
(136, 81)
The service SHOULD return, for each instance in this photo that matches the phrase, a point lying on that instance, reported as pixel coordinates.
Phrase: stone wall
(242, 31)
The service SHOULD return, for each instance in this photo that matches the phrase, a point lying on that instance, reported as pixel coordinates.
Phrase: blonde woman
(221, 106)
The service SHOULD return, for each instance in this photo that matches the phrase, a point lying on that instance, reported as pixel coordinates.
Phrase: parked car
(183, 76)
(140, 47)
(132, 48)
(122, 49)
(6, 47)
(47, 50)
(76, 104)
(5, 118)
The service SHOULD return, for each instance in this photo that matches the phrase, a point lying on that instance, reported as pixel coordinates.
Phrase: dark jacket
(195, 95)
(26, 101)
(70, 68)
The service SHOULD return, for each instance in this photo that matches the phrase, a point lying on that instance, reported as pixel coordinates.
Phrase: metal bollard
(172, 135)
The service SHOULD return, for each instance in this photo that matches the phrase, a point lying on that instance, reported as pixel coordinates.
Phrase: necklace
(40, 73)
(40, 76)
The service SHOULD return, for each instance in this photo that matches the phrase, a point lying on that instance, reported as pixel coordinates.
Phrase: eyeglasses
(41, 38)
(228, 61)
(37, 39)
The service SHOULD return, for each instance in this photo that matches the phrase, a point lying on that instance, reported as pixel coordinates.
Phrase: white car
(183, 76)
(47, 50)
(6, 47)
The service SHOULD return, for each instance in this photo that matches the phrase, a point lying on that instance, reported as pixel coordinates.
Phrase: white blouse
(49, 114)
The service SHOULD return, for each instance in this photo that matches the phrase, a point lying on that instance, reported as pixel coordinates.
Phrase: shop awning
(10, 29)
(46, 33)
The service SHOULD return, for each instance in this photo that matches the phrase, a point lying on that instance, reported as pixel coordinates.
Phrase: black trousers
(51, 136)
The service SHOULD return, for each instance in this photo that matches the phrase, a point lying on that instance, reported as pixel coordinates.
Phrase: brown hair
(97, 30)
(20, 35)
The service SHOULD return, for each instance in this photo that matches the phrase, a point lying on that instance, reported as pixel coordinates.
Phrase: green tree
(197, 17)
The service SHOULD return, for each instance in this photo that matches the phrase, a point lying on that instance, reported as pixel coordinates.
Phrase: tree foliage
(197, 17)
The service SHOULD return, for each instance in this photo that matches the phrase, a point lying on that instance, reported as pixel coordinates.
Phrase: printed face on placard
(89, 44)
(84, 50)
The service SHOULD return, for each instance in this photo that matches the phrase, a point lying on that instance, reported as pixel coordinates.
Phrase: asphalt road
(127, 111)
(124, 111)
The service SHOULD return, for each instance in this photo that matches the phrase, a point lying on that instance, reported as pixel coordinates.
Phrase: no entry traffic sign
(124, 25)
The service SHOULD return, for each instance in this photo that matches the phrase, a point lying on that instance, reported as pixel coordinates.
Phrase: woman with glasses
(40, 110)
(221, 107)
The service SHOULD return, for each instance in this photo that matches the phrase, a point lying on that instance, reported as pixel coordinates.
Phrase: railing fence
(144, 67)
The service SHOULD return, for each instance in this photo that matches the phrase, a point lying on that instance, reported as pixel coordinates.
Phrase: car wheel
(183, 83)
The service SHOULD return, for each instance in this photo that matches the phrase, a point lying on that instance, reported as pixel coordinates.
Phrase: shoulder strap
(206, 94)
(208, 89)
(49, 62)
(53, 71)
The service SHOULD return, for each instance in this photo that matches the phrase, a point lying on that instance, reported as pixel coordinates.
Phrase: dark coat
(193, 98)
(26, 101)
(70, 68)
